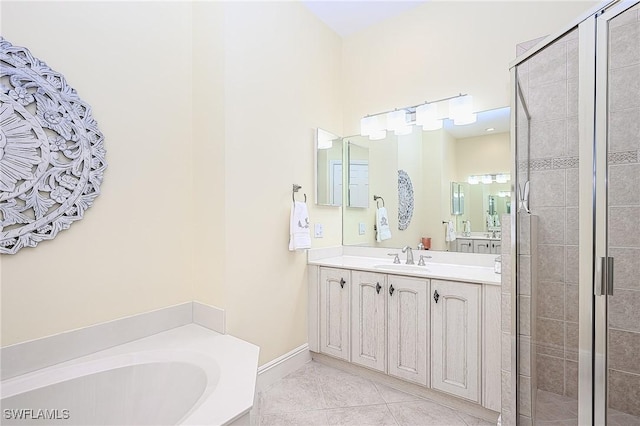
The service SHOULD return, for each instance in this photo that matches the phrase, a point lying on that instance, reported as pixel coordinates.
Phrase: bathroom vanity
(436, 326)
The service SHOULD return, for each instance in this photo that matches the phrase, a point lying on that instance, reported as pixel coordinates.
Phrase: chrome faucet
(409, 252)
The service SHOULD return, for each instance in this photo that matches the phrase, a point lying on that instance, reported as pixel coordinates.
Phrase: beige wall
(133, 251)
(210, 123)
(208, 111)
(489, 154)
(282, 79)
(442, 48)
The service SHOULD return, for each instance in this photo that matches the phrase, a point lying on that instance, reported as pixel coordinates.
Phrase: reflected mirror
(358, 175)
(457, 199)
(328, 167)
(440, 164)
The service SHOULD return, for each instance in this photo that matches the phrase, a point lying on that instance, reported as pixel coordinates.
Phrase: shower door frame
(593, 208)
(603, 276)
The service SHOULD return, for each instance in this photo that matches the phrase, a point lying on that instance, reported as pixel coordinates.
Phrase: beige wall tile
(624, 351)
(550, 374)
(624, 392)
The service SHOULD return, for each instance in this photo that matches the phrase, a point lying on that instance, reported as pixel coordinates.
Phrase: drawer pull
(342, 282)
(436, 296)
(378, 288)
(391, 290)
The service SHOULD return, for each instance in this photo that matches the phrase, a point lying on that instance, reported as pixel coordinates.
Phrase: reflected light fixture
(473, 180)
(487, 179)
(325, 139)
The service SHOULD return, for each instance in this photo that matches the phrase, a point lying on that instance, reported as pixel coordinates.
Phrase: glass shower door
(617, 225)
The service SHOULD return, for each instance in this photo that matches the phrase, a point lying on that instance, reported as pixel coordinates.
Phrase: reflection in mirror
(434, 159)
(457, 199)
(358, 176)
(486, 204)
(328, 168)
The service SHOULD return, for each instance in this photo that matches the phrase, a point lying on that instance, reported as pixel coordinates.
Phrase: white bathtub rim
(229, 398)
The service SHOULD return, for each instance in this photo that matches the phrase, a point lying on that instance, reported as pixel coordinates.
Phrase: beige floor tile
(348, 391)
(299, 393)
(474, 421)
(368, 415)
(422, 413)
(310, 418)
(393, 395)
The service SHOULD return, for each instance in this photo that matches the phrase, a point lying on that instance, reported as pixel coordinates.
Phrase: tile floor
(320, 395)
(558, 410)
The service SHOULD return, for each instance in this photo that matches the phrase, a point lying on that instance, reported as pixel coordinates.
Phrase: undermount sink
(402, 268)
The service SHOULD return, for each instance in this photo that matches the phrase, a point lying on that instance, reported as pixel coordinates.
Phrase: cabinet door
(465, 246)
(334, 312)
(407, 328)
(481, 246)
(496, 246)
(455, 338)
(368, 319)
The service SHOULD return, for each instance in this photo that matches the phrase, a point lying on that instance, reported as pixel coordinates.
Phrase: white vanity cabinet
(392, 324)
(496, 246)
(334, 312)
(482, 246)
(407, 328)
(455, 338)
(464, 245)
(368, 319)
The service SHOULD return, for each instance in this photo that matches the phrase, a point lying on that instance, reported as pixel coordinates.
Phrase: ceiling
(349, 17)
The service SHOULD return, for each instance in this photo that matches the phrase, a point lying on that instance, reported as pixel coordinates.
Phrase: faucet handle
(422, 258)
(396, 259)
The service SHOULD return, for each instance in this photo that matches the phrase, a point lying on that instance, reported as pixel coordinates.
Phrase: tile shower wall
(624, 211)
(549, 82)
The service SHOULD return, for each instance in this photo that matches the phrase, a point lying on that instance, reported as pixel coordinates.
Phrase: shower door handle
(604, 277)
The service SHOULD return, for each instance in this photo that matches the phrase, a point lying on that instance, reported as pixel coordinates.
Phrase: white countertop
(436, 270)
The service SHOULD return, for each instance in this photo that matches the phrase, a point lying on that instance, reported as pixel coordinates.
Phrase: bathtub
(188, 376)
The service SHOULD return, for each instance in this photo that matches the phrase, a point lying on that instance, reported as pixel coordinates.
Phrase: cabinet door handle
(378, 288)
(342, 282)
(391, 290)
(436, 296)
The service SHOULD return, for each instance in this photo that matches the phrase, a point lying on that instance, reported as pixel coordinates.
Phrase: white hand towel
(299, 227)
(450, 233)
(382, 225)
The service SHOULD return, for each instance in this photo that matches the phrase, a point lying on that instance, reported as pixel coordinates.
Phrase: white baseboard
(276, 369)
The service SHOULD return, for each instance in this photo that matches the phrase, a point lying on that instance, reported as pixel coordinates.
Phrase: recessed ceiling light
(490, 129)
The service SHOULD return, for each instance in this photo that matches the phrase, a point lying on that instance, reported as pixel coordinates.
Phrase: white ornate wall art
(52, 157)
(405, 200)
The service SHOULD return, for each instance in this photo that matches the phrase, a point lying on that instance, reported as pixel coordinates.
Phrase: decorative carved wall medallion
(405, 200)
(52, 158)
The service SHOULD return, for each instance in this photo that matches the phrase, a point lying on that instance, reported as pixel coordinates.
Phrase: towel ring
(376, 198)
(293, 193)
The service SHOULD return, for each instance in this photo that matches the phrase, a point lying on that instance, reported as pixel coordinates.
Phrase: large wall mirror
(472, 158)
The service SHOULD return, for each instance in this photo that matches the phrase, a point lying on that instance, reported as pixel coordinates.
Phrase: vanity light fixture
(473, 180)
(461, 110)
(397, 122)
(487, 179)
(426, 115)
